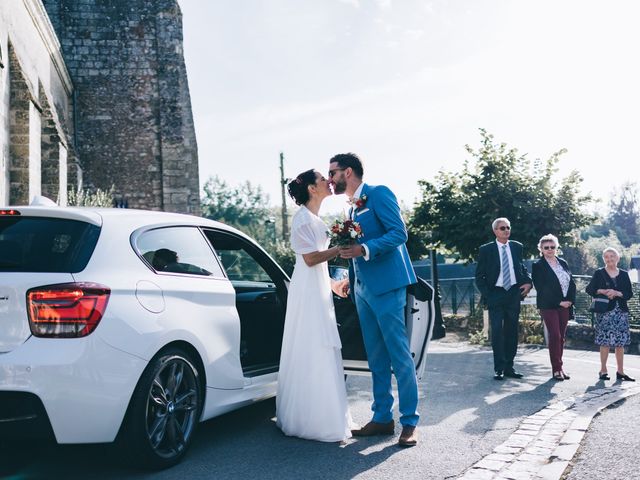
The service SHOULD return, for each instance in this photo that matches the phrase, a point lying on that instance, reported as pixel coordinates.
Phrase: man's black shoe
(499, 375)
(512, 374)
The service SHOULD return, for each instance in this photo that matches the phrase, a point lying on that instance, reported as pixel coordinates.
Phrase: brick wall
(134, 126)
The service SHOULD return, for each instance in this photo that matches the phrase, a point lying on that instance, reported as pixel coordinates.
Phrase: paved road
(465, 415)
(610, 448)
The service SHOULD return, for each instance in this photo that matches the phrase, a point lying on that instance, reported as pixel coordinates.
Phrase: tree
(624, 213)
(456, 210)
(245, 207)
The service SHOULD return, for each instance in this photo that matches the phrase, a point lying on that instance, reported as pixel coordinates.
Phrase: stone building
(108, 83)
(36, 107)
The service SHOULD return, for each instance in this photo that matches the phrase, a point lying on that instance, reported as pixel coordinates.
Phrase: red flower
(345, 233)
(359, 202)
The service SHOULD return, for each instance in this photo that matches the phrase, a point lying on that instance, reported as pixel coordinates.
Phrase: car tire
(164, 411)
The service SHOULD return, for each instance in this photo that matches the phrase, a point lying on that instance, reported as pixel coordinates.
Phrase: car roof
(99, 216)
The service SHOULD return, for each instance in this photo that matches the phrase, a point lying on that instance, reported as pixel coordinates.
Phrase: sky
(406, 84)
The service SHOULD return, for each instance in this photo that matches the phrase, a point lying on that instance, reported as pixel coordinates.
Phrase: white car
(134, 326)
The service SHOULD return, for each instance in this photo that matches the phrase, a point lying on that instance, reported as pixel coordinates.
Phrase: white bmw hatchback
(135, 326)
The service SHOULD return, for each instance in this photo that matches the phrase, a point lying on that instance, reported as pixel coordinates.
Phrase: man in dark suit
(503, 281)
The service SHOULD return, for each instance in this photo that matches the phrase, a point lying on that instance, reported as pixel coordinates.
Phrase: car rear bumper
(79, 387)
(23, 416)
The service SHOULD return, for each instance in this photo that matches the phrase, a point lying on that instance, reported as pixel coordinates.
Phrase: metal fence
(460, 296)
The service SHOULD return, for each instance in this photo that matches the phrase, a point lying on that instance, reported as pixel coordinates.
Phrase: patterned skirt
(612, 328)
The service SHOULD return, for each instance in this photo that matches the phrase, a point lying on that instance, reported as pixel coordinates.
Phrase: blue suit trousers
(385, 339)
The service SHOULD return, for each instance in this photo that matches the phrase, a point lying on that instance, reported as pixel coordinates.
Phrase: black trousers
(504, 315)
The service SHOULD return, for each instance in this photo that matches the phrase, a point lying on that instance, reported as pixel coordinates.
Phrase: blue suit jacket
(385, 235)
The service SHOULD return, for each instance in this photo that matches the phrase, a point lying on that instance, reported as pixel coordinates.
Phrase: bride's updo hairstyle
(299, 186)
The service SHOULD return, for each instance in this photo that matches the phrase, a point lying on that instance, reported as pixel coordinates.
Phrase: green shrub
(86, 198)
(531, 331)
(478, 338)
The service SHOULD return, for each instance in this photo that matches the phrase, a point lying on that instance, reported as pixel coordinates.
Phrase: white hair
(497, 221)
(611, 249)
(546, 239)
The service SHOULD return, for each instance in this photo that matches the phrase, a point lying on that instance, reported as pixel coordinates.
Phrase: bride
(311, 401)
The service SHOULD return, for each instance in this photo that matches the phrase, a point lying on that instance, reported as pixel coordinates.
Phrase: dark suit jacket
(547, 285)
(601, 280)
(489, 267)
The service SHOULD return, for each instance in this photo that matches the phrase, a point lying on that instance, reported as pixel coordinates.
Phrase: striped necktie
(506, 271)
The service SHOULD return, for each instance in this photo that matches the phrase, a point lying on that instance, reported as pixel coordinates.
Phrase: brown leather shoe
(408, 437)
(374, 428)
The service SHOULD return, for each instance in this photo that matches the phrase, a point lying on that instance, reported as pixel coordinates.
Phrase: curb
(545, 442)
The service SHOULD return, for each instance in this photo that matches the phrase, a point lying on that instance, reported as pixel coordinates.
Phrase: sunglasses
(334, 171)
(549, 247)
(504, 227)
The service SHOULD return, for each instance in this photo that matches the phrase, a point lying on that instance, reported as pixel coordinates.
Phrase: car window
(238, 257)
(44, 244)
(178, 250)
(241, 266)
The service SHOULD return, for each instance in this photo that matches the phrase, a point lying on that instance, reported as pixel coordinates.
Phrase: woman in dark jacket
(612, 326)
(556, 294)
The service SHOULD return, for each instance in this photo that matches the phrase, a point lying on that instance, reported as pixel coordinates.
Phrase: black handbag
(599, 305)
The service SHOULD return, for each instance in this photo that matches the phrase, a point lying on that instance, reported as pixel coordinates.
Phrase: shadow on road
(242, 444)
(469, 387)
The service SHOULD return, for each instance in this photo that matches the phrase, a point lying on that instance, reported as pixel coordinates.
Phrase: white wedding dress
(312, 400)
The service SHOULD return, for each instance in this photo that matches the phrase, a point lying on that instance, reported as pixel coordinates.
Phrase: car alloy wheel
(164, 411)
(172, 405)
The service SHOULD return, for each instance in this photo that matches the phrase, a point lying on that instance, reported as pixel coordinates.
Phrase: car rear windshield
(38, 244)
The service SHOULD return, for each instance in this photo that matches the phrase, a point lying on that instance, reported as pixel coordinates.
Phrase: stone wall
(19, 100)
(36, 111)
(134, 126)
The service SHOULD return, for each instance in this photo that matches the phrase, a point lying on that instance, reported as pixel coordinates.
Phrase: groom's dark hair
(346, 160)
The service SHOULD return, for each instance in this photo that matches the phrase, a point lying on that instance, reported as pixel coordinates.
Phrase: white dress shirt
(500, 281)
(356, 195)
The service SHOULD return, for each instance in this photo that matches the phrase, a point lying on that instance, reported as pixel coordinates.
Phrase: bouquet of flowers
(344, 233)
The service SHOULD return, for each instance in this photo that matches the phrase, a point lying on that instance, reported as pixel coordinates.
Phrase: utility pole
(283, 183)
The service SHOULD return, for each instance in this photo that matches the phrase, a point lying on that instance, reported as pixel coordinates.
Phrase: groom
(379, 272)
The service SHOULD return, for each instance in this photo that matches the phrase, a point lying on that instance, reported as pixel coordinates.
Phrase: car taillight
(9, 212)
(66, 310)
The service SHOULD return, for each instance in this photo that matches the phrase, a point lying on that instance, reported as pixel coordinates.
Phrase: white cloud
(384, 4)
(414, 34)
(354, 3)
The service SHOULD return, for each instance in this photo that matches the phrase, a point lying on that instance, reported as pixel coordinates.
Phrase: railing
(461, 296)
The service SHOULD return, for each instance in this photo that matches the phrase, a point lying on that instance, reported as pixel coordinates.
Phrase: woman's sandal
(624, 377)
(603, 376)
(558, 376)
(565, 376)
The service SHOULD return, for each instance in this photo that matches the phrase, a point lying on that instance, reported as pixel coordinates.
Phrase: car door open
(419, 318)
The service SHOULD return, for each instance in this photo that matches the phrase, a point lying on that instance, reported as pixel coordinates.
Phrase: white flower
(353, 233)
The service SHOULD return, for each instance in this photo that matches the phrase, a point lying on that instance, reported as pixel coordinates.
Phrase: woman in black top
(555, 296)
(612, 326)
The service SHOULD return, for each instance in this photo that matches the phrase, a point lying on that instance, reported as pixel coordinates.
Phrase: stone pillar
(35, 160)
(134, 123)
(19, 106)
(62, 175)
(50, 153)
(4, 124)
